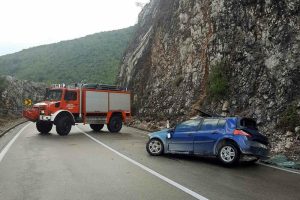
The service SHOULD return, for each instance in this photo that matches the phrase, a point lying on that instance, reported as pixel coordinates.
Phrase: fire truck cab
(93, 104)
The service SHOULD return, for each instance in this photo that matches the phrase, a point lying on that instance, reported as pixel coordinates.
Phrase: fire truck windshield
(53, 95)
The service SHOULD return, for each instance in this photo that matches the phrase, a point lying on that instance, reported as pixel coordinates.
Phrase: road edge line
(6, 148)
(171, 182)
(279, 168)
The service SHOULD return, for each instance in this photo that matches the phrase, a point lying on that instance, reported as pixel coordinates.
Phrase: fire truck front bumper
(31, 114)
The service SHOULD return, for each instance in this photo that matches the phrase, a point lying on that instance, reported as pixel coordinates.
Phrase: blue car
(227, 138)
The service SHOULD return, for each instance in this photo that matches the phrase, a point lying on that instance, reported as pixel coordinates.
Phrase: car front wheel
(155, 147)
(228, 154)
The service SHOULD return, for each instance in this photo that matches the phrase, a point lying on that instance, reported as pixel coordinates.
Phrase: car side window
(190, 125)
(221, 124)
(71, 96)
(209, 124)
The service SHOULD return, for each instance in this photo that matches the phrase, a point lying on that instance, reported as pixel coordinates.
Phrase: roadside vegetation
(3, 85)
(289, 119)
(94, 58)
(218, 81)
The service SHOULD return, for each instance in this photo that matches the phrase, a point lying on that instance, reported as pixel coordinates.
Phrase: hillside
(235, 57)
(93, 58)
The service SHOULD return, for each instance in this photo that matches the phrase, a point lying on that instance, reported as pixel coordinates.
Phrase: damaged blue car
(227, 138)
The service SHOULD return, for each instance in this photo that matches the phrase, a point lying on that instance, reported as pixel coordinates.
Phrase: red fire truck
(94, 104)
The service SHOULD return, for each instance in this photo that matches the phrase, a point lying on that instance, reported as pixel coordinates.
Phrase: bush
(289, 119)
(218, 83)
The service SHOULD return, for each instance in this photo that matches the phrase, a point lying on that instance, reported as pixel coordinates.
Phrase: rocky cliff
(239, 56)
(13, 92)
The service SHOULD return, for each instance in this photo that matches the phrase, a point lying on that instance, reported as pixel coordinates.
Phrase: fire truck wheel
(63, 125)
(43, 126)
(96, 127)
(115, 124)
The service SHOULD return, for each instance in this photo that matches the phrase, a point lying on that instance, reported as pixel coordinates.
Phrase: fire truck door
(72, 101)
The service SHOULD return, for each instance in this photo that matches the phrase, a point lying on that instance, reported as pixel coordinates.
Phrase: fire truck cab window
(53, 95)
(71, 96)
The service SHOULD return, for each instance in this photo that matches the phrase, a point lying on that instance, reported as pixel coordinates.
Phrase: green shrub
(289, 119)
(218, 81)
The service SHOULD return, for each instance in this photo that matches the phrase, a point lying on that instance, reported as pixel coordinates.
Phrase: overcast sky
(27, 23)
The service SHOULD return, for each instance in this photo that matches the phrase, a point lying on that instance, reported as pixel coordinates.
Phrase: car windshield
(53, 95)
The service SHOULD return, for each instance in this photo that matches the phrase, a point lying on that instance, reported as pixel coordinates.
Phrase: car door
(183, 137)
(208, 134)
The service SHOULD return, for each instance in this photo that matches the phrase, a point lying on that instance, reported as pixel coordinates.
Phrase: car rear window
(248, 123)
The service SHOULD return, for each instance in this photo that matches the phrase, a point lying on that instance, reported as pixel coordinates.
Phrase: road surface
(89, 165)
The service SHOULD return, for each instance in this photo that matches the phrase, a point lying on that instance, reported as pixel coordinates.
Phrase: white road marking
(279, 168)
(6, 148)
(175, 184)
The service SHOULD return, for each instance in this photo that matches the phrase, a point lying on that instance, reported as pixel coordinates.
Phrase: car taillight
(241, 132)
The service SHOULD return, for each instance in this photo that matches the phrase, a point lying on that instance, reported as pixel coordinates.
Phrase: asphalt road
(89, 165)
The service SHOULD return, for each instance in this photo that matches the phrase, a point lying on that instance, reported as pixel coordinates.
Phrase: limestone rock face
(177, 43)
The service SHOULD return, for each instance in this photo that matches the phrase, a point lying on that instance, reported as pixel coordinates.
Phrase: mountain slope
(93, 58)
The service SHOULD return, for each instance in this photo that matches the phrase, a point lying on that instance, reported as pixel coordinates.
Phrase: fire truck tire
(96, 127)
(115, 124)
(63, 125)
(43, 126)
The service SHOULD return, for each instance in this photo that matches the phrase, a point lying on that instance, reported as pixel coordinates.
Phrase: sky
(28, 23)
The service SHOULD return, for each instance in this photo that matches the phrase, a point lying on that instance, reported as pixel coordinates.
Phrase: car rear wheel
(155, 147)
(44, 126)
(96, 127)
(228, 154)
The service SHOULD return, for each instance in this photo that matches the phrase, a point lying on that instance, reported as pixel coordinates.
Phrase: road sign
(27, 102)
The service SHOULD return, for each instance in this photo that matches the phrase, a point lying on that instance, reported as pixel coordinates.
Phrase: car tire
(228, 154)
(44, 126)
(97, 127)
(63, 125)
(115, 124)
(155, 147)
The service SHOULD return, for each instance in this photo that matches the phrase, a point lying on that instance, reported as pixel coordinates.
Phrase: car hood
(160, 133)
